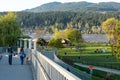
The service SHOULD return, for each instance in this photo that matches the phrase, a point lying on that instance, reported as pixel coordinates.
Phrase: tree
(41, 42)
(96, 29)
(61, 34)
(109, 28)
(87, 27)
(70, 25)
(79, 25)
(117, 52)
(71, 34)
(9, 29)
(74, 36)
(55, 43)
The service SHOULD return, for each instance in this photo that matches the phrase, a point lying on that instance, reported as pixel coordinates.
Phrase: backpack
(22, 54)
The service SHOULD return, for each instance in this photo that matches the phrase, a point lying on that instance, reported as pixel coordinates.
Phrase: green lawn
(87, 55)
(99, 75)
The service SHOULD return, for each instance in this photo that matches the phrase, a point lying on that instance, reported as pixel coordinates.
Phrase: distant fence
(46, 69)
(4, 49)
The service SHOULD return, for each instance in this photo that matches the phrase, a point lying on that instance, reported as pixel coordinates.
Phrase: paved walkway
(14, 71)
(100, 68)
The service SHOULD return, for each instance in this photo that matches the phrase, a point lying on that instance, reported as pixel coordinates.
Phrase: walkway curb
(114, 71)
(33, 72)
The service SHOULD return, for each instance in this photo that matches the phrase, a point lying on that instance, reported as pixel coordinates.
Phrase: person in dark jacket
(22, 55)
(10, 55)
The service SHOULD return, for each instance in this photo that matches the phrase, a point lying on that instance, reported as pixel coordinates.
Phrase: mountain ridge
(77, 7)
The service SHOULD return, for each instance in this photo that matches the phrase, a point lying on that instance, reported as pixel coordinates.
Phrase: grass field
(87, 55)
(99, 75)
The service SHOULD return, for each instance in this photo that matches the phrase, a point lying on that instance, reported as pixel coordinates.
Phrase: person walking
(10, 55)
(22, 55)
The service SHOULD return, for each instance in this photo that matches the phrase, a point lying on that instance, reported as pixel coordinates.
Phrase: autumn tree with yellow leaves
(111, 28)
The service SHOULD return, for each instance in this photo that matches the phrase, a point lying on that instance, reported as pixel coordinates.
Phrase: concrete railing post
(25, 43)
(30, 43)
(20, 42)
(35, 43)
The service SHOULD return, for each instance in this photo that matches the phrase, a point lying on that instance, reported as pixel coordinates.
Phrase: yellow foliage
(118, 41)
(62, 34)
(109, 28)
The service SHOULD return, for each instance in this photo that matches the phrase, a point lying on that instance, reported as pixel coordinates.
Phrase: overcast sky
(17, 5)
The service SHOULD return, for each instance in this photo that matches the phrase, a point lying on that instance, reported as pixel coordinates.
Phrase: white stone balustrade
(30, 43)
(46, 69)
(35, 43)
(25, 43)
(20, 42)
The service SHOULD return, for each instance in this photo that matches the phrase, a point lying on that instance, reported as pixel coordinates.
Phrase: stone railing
(46, 69)
(83, 75)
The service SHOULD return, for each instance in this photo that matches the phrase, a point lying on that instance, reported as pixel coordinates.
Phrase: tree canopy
(65, 19)
(74, 36)
(118, 42)
(41, 42)
(9, 29)
(109, 28)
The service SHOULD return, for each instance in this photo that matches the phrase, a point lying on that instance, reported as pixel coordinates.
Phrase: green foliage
(67, 60)
(112, 28)
(99, 75)
(9, 29)
(62, 20)
(77, 6)
(88, 55)
(74, 36)
(24, 36)
(118, 42)
(59, 34)
(90, 58)
(109, 28)
(41, 42)
(55, 43)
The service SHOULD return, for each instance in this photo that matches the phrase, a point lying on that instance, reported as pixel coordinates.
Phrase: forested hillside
(84, 16)
(77, 7)
(62, 20)
(89, 22)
